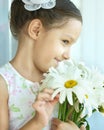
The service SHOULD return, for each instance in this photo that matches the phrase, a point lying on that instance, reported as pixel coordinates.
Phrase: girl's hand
(44, 106)
(60, 125)
(82, 127)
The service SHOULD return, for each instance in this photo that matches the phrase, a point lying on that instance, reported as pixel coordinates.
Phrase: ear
(34, 28)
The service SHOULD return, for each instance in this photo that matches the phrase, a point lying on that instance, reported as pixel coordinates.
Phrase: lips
(57, 61)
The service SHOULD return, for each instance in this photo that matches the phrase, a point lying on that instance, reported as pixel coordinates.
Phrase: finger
(54, 101)
(53, 127)
(72, 124)
(82, 127)
(56, 121)
(57, 96)
(38, 105)
(44, 96)
(50, 91)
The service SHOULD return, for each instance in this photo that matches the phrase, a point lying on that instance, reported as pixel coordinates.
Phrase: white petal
(56, 92)
(80, 93)
(89, 111)
(69, 97)
(62, 96)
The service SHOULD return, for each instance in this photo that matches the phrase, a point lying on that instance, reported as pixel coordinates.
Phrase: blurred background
(89, 47)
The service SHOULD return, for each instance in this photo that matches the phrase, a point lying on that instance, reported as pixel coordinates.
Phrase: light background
(89, 48)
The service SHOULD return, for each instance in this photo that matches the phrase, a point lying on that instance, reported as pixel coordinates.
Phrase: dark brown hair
(61, 13)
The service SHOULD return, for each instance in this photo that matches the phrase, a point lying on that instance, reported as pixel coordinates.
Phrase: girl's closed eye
(66, 42)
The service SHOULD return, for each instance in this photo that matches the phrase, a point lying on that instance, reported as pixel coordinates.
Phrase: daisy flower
(67, 79)
(81, 90)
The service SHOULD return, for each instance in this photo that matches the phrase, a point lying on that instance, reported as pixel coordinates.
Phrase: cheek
(52, 51)
(60, 50)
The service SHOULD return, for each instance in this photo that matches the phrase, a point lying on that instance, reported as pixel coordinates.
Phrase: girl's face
(54, 45)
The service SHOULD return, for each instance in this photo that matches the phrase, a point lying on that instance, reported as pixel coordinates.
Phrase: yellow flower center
(86, 96)
(70, 84)
(101, 109)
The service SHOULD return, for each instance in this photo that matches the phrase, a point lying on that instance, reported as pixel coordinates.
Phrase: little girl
(45, 30)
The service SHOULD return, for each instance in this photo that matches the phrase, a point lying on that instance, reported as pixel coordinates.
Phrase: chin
(47, 68)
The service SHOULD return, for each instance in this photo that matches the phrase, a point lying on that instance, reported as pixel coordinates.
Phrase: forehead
(70, 29)
(71, 26)
(71, 23)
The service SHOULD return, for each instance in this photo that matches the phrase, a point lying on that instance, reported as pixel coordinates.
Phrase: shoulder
(3, 104)
(5, 73)
(3, 89)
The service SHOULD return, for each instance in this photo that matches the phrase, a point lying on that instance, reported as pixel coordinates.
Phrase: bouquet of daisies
(81, 90)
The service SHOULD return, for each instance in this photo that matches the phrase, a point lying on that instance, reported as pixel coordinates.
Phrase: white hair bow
(32, 5)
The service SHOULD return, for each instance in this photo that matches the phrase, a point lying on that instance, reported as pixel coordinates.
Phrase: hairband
(32, 5)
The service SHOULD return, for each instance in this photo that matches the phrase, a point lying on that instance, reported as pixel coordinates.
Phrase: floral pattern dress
(22, 94)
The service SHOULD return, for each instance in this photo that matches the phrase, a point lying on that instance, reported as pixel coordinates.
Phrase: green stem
(62, 111)
(59, 113)
(69, 112)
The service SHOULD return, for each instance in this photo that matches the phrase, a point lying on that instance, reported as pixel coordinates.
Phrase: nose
(66, 54)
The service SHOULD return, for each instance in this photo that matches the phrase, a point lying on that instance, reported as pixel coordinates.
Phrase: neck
(24, 64)
(27, 70)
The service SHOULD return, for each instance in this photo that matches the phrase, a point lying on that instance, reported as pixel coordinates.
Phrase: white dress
(22, 94)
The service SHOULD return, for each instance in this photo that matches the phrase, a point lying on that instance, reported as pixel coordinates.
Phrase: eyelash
(66, 42)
